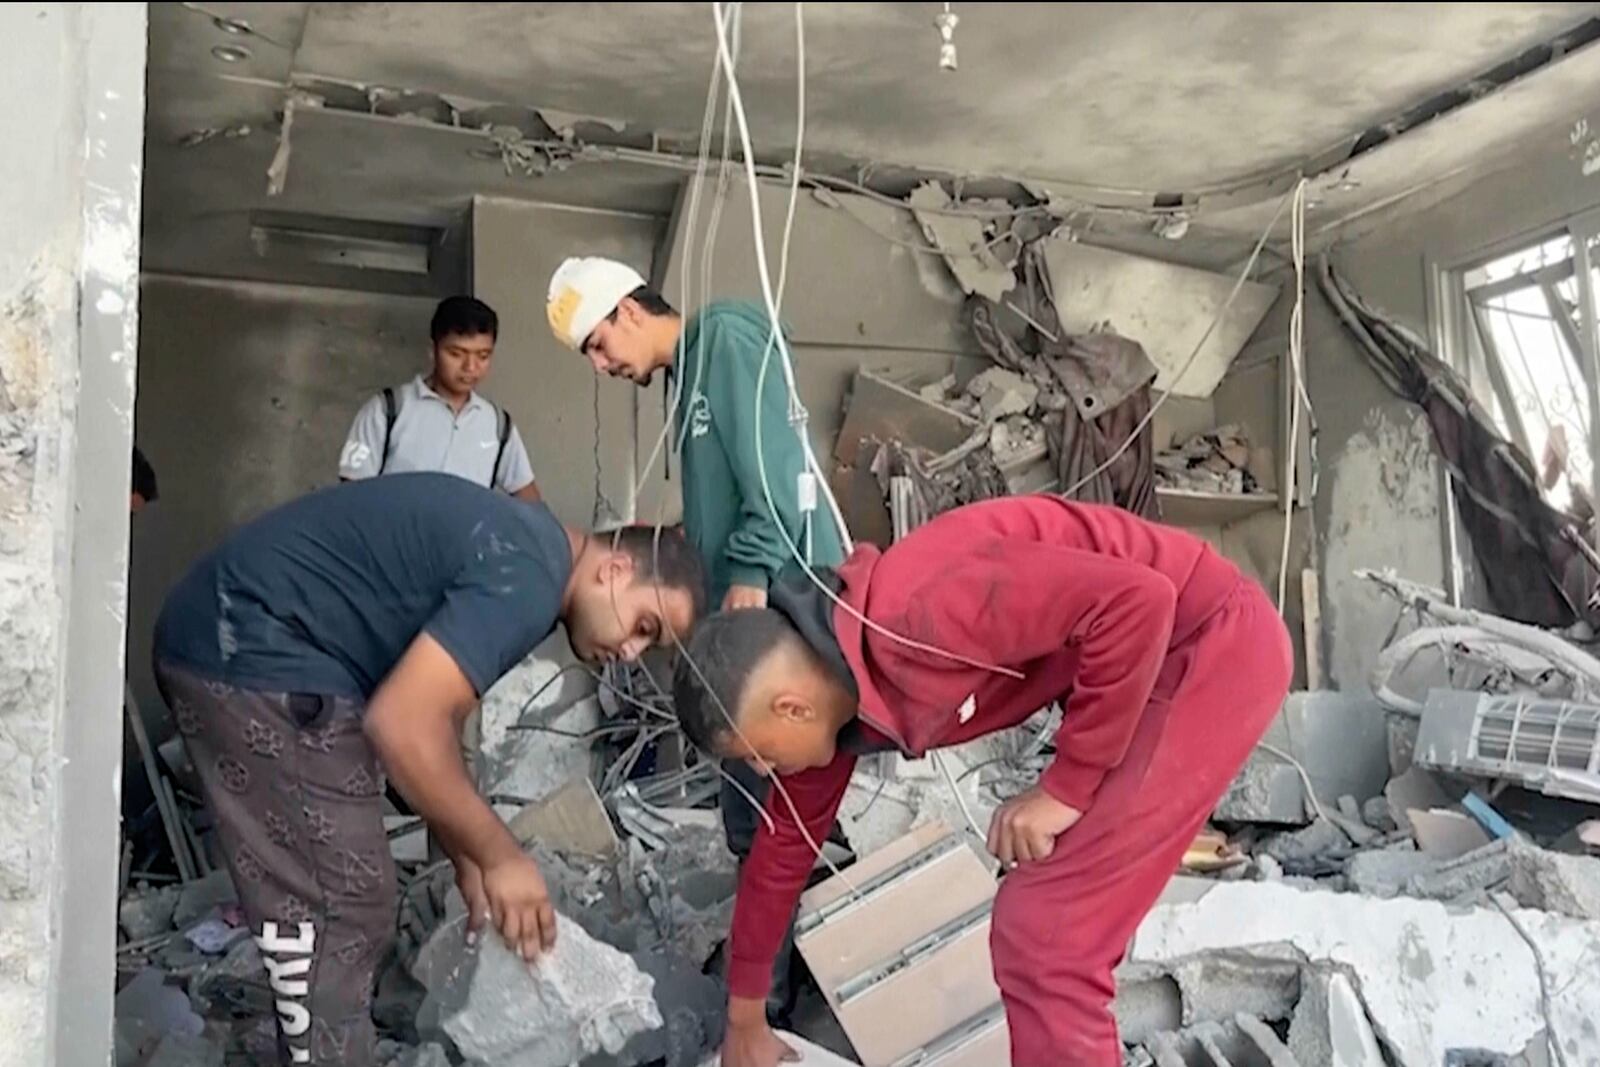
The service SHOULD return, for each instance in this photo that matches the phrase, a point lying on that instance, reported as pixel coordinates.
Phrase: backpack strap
(505, 436)
(391, 411)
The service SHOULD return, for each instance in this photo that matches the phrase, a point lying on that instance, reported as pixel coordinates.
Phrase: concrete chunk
(1321, 840)
(1552, 881)
(150, 913)
(1331, 1028)
(585, 997)
(1268, 791)
(1386, 872)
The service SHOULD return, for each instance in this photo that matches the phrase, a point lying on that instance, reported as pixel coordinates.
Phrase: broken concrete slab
(693, 1008)
(1553, 881)
(582, 998)
(1445, 834)
(1267, 791)
(1432, 978)
(1340, 738)
(1330, 1026)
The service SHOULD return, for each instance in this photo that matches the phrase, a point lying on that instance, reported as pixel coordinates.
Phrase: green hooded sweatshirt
(725, 511)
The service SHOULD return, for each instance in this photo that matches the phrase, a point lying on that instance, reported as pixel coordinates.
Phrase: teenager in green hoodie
(741, 523)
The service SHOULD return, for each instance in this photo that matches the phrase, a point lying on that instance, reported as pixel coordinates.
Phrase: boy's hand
(1025, 827)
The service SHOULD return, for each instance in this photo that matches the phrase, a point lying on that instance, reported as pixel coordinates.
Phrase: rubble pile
(1217, 461)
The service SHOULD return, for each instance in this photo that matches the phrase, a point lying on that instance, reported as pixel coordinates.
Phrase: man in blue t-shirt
(346, 636)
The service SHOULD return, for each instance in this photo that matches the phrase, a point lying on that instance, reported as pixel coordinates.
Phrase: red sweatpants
(1062, 925)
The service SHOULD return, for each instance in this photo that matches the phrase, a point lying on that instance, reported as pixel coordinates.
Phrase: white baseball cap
(583, 291)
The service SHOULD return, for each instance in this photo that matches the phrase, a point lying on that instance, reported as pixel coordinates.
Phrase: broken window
(1528, 354)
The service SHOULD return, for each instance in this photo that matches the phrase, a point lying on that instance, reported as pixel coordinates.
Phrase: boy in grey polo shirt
(438, 422)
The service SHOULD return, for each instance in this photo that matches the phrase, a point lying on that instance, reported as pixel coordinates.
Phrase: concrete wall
(1378, 504)
(68, 261)
(246, 392)
(550, 390)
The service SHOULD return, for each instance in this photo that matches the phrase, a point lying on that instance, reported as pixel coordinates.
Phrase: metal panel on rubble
(1165, 307)
(1549, 745)
(909, 927)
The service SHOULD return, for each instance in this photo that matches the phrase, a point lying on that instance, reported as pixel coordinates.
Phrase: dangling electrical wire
(1298, 398)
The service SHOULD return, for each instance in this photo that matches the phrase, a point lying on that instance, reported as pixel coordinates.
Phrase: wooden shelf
(1190, 507)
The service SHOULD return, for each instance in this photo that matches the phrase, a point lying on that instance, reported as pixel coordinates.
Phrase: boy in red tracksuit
(1169, 664)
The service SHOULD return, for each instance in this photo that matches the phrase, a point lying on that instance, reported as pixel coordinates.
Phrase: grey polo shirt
(429, 435)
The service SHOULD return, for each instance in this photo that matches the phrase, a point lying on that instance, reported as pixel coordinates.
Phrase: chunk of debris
(1330, 1027)
(1553, 881)
(148, 1011)
(582, 998)
(572, 819)
(1387, 872)
(964, 240)
(1000, 392)
(1216, 461)
(1445, 834)
(1267, 791)
(1377, 813)
(198, 899)
(146, 914)
(1415, 789)
(1316, 849)
(234, 985)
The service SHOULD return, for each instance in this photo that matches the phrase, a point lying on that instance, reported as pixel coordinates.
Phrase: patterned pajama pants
(297, 793)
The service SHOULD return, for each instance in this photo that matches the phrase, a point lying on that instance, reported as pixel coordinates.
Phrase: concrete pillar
(69, 186)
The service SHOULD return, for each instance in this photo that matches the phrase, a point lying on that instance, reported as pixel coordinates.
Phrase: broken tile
(1444, 834)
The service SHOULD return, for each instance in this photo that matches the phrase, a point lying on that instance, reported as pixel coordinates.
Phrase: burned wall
(68, 259)
(1379, 502)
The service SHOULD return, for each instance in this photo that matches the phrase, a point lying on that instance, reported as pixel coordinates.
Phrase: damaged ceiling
(1089, 103)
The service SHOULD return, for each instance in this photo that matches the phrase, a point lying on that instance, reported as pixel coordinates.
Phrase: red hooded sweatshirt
(1039, 597)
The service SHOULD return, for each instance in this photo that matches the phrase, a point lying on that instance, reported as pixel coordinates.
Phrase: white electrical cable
(1297, 397)
(961, 800)
(776, 343)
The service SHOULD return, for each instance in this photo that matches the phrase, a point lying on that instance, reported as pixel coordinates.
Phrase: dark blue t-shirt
(324, 594)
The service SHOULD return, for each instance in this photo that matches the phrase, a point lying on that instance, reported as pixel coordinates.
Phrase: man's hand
(520, 905)
(469, 879)
(1026, 827)
(753, 1044)
(744, 596)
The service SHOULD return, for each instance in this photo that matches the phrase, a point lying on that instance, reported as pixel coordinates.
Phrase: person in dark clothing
(345, 637)
(1169, 665)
